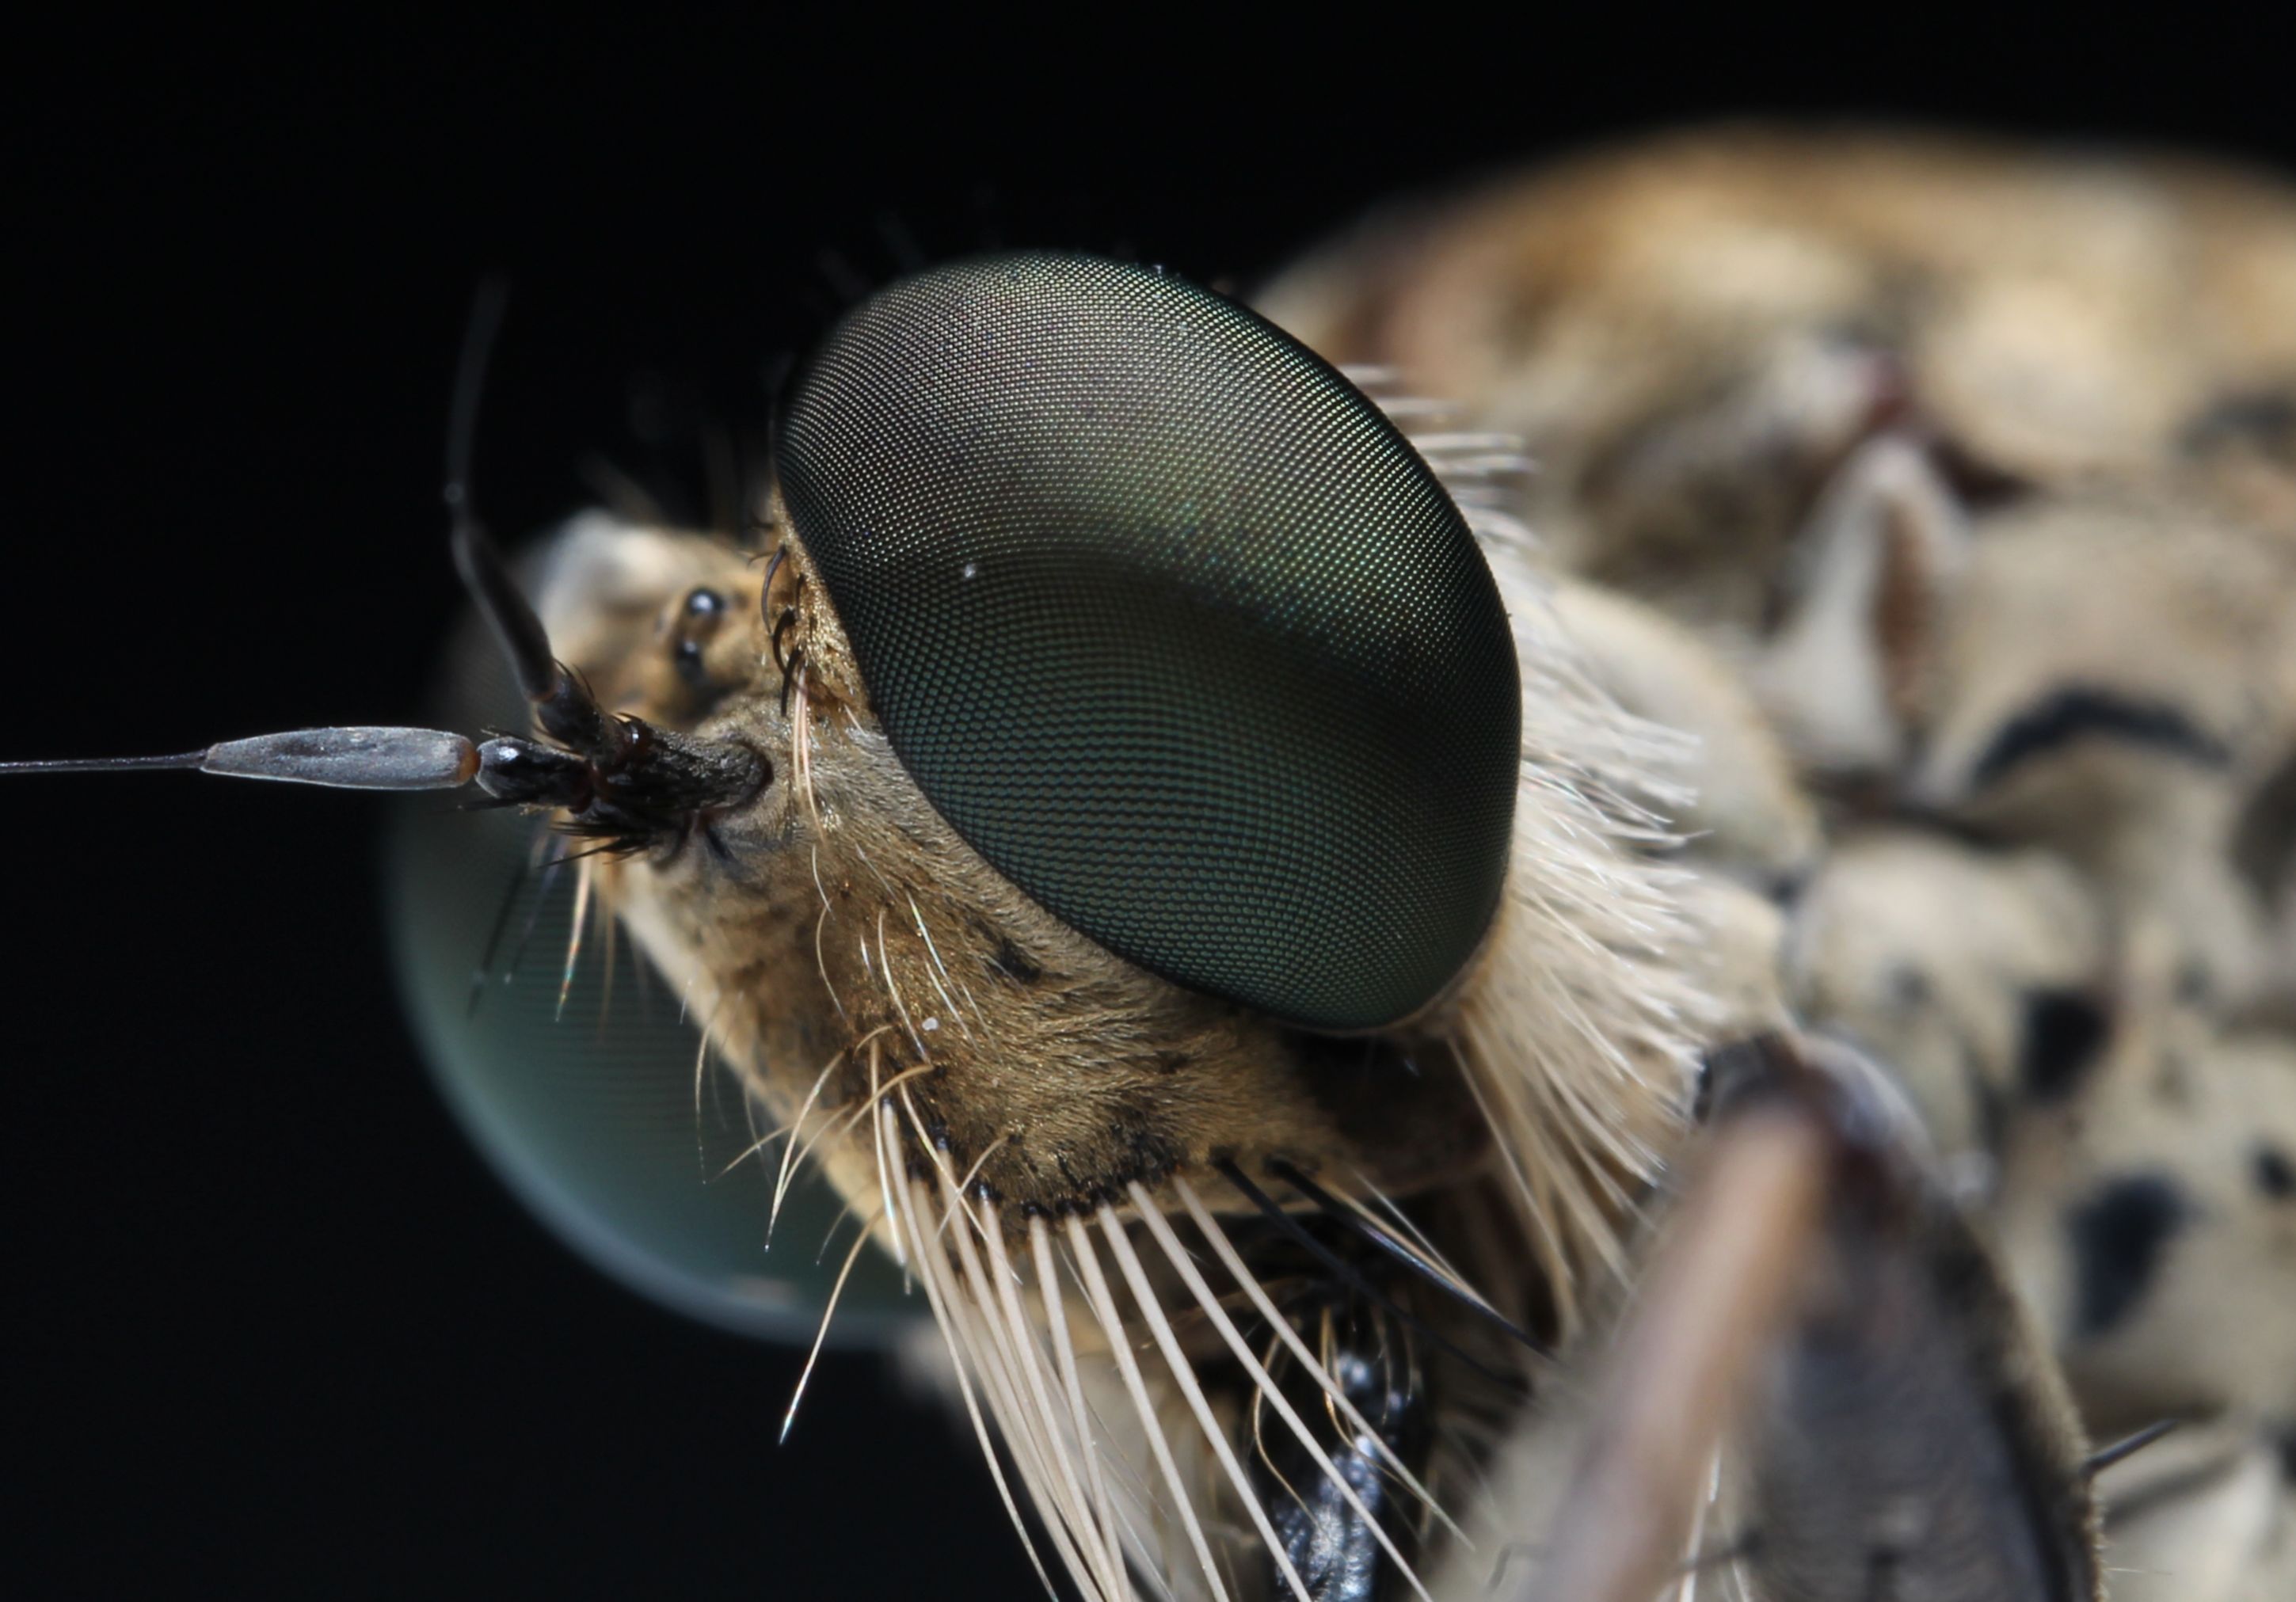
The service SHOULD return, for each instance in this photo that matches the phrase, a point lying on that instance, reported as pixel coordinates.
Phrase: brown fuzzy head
(1179, 819)
(840, 936)
(1140, 812)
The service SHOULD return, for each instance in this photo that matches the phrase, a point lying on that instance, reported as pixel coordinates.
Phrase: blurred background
(278, 1328)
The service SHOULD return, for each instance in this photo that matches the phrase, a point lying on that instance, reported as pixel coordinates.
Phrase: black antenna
(620, 785)
(484, 572)
(563, 704)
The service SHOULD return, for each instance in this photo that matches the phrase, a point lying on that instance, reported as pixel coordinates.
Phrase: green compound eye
(1170, 624)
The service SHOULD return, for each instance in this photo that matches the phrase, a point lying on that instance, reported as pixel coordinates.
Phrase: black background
(277, 1330)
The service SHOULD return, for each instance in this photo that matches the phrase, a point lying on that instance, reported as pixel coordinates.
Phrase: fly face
(1110, 814)
(846, 929)
(1127, 829)
(840, 934)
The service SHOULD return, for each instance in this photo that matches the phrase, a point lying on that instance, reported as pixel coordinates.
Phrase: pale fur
(1744, 811)
(1691, 331)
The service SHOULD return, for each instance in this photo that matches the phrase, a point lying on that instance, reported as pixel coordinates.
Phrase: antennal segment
(360, 758)
(108, 765)
(619, 779)
(563, 706)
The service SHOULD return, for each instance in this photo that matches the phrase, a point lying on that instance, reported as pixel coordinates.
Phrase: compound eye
(1170, 624)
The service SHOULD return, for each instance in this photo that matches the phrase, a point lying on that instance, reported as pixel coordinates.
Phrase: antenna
(359, 757)
(563, 704)
(484, 572)
(622, 781)
(364, 756)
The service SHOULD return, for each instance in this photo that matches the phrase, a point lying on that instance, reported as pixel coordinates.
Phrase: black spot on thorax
(2077, 712)
(2262, 417)
(2273, 1173)
(2117, 1237)
(2063, 1034)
